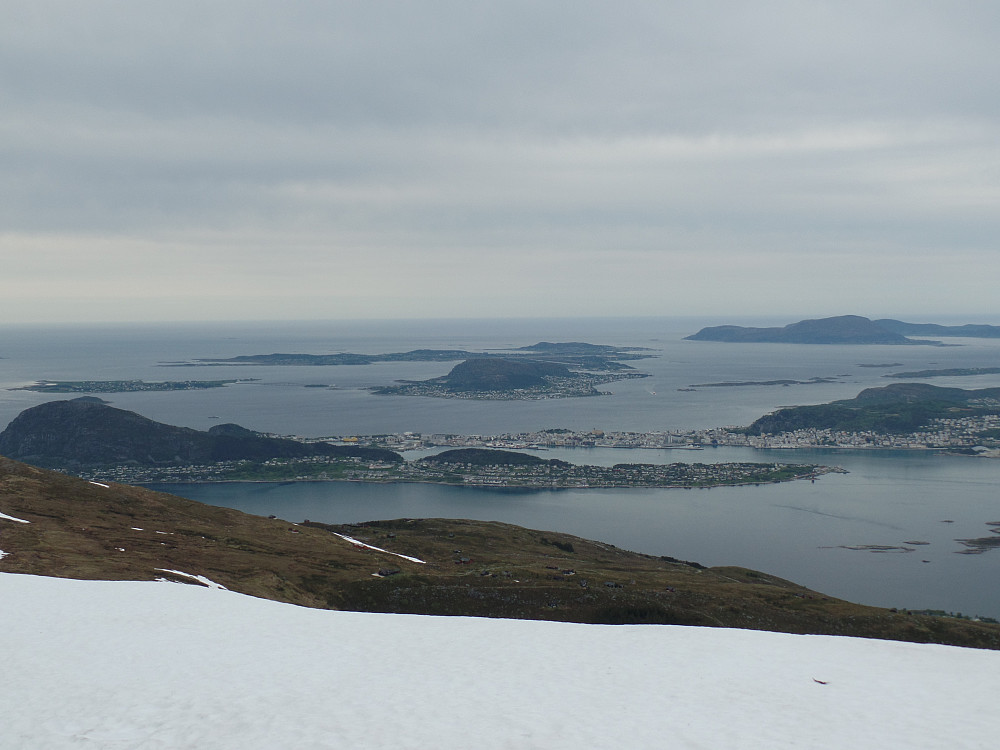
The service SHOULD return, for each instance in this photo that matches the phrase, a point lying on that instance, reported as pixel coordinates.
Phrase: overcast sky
(251, 160)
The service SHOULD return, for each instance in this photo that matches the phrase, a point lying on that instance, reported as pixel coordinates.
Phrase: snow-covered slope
(87, 664)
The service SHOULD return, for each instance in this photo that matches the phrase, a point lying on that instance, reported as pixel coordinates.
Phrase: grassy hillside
(79, 529)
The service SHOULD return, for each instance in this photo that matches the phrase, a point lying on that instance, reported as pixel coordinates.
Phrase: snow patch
(129, 664)
(200, 579)
(357, 543)
(5, 517)
(100, 484)
(3, 554)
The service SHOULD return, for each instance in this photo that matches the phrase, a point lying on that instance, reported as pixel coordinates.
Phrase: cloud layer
(308, 159)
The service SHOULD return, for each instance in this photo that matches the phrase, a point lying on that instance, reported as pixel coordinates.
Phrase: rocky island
(498, 378)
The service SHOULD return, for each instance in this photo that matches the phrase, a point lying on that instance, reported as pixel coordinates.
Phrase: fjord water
(798, 530)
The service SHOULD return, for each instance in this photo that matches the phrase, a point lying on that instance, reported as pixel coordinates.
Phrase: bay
(795, 530)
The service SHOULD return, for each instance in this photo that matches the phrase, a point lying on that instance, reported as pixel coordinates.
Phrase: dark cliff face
(80, 433)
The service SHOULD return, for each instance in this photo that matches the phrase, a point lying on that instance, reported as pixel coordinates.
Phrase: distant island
(598, 357)
(746, 383)
(952, 372)
(509, 379)
(327, 360)
(123, 386)
(843, 329)
(542, 370)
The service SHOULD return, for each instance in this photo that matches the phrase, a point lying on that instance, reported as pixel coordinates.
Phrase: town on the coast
(492, 469)
(978, 434)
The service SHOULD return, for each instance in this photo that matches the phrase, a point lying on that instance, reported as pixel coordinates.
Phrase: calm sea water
(795, 530)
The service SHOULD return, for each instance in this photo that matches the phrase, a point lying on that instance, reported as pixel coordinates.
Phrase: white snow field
(100, 664)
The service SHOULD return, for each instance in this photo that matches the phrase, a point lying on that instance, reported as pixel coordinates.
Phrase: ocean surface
(800, 531)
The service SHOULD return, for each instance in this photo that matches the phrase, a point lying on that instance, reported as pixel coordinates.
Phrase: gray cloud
(717, 145)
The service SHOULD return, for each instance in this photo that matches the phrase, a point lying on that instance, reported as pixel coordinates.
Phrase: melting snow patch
(11, 518)
(200, 579)
(3, 554)
(99, 484)
(129, 664)
(356, 543)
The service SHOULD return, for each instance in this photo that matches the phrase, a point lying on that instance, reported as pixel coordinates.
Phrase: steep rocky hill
(85, 433)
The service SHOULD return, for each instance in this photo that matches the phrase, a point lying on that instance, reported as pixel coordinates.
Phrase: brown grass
(80, 530)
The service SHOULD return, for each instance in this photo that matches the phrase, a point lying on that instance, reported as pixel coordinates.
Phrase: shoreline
(818, 472)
